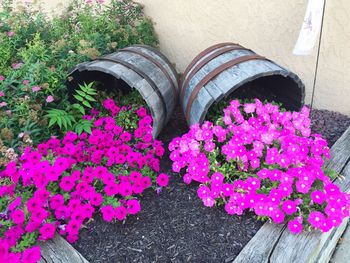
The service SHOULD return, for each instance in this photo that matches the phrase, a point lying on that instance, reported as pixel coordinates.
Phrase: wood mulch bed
(174, 226)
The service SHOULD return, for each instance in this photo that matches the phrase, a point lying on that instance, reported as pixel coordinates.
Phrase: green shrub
(37, 53)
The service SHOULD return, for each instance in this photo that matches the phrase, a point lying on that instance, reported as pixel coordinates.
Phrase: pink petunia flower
(162, 180)
(295, 226)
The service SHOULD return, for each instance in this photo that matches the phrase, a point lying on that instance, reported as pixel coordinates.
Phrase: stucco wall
(271, 28)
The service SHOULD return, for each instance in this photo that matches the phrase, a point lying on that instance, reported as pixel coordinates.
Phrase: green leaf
(80, 108)
(52, 121)
(64, 121)
(87, 104)
(79, 98)
(91, 92)
(59, 122)
(81, 93)
(88, 129)
(88, 97)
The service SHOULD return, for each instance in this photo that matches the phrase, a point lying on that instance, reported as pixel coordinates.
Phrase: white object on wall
(310, 28)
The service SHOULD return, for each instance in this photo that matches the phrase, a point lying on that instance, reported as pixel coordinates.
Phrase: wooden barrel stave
(161, 59)
(200, 105)
(224, 83)
(155, 74)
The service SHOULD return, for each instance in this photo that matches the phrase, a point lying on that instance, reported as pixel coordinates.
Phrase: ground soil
(174, 226)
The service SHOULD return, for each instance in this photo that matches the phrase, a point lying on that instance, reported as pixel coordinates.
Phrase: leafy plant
(71, 119)
(37, 53)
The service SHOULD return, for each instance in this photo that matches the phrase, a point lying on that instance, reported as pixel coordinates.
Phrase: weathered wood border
(58, 250)
(275, 244)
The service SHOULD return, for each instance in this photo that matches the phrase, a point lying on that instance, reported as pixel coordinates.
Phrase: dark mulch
(175, 226)
(330, 124)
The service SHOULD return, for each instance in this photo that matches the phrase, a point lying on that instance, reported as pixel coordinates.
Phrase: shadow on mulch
(175, 226)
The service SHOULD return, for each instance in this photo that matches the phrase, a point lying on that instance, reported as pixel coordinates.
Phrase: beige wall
(271, 28)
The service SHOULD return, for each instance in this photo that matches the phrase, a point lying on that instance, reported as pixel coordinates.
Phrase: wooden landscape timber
(58, 250)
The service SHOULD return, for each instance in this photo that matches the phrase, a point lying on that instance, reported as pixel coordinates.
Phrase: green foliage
(60, 117)
(83, 126)
(84, 96)
(71, 119)
(27, 240)
(38, 51)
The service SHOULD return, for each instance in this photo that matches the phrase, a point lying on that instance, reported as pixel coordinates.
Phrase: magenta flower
(316, 219)
(47, 231)
(208, 201)
(120, 213)
(2, 94)
(10, 33)
(32, 254)
(289, 207)
(295, 226)
(318, 197)
(133, 206)
(162, 180)
(108, 213)
(2, 78)
(18, 217)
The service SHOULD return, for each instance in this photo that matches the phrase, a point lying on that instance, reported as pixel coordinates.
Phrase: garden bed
(175, 226)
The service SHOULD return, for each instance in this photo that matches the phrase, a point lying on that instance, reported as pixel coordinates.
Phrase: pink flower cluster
(62, 183)
(265, 160)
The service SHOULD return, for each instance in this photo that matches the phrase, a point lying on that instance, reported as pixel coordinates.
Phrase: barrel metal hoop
(158, 64)
(145, 76)
(213, 74)
(203, 53)
(203, 63)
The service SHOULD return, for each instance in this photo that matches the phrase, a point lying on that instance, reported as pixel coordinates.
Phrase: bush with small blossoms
(38, 50)
(258, 157)
(61, 184)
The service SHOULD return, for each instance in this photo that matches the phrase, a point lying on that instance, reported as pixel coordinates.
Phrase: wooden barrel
(228, 69)
(137, 67)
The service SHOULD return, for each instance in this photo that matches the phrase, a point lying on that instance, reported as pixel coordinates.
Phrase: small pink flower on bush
(2, 78)
(36, 88)
(49, 99)
(3, 104)
(17, 65)
(10, 33)
(2, 94)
